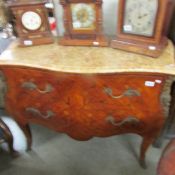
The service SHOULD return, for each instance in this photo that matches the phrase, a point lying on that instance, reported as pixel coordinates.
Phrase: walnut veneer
(87, 102)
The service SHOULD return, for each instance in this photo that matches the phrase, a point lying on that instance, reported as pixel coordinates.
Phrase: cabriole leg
(147, 141)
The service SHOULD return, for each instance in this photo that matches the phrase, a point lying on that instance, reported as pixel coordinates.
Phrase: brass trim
(128, 93)
(36, 112)
(33, 86)
(129, 119)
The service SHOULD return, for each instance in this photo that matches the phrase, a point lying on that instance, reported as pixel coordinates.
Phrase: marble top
(87, 59)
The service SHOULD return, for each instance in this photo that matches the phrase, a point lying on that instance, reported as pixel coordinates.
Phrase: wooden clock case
(171, 32)
(83, 37)
(149, 46)
(40, 36)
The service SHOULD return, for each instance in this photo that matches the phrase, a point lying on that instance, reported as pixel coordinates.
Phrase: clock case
(149, 46)
(83, 37)
(31, 37)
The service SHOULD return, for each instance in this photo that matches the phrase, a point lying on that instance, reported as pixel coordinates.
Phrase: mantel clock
(142, 26)
(31, 22)
(83, 23)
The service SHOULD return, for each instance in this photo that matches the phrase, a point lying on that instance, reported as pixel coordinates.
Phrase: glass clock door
(140, 17)
(83, 16)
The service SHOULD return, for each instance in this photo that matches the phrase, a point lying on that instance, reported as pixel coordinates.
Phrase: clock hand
(142, 16)
(145, 15)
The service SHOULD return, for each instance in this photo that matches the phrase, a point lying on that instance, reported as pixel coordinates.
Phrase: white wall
(109, 15)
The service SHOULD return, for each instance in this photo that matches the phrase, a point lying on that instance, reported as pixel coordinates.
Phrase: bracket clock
(31, 22)
(142, 26)
(83, 23)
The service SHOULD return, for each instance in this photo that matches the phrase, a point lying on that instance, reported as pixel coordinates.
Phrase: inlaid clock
(31, 22)
(142, 26)
(83, 23)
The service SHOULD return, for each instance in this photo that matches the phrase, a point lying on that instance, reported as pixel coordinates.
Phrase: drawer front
(84, 124)
(37, 87)
(114, 88)
(96, 105)
(85, 91)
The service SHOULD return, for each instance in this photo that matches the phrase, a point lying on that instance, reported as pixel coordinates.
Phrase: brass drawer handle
(128, 93)
(36, 112)
(130, 119)
(33, 86)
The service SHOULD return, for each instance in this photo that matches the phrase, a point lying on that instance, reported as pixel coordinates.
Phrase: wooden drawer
(113, 88)
(84, 124)
(86, 91)
(37, 87)
(89, 92)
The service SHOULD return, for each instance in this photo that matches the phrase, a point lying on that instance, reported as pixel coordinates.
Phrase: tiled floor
(57, 154)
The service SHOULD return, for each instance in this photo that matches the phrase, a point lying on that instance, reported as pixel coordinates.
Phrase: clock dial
(140, 17)
(31, 20)
(83, 16)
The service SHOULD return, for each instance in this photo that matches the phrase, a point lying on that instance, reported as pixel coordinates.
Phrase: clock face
(140, 17)
(83, 16)
(31, 20)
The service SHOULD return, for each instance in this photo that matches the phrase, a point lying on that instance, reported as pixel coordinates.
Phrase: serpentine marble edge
(87, 59)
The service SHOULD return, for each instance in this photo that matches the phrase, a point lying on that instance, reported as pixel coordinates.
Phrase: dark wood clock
(142, 26)
(83, 23)
(171, 32)
(31, 22)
